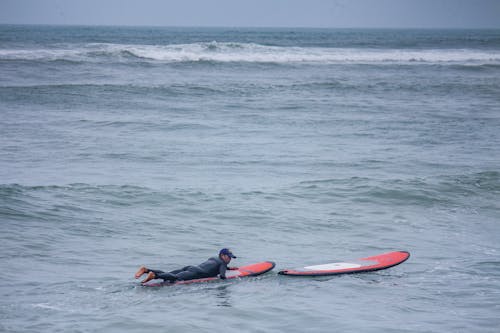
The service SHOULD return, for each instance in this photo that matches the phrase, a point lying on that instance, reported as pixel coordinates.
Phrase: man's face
(226, 258)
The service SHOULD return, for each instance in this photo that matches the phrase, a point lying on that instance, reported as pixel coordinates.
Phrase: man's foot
(141, 271)
(151, 276)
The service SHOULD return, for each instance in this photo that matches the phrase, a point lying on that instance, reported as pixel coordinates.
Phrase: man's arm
(222, 271)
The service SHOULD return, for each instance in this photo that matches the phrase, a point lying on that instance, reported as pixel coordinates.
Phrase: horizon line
(244, 27)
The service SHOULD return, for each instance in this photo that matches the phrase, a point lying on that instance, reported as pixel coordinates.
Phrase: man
(212, 267)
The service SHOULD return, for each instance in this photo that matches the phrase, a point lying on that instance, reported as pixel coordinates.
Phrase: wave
(456, 190)
(249, 53)
(45, 202)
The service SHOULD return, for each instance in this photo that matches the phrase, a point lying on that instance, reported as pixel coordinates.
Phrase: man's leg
(177, 271)
(152, 274)
(166, 276)
(184, 273)
(191, 273)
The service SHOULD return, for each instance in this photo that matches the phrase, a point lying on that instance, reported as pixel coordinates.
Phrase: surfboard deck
(369, 264)
(243, 271)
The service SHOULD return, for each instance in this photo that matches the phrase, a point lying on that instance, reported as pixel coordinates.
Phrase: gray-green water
(130, 146)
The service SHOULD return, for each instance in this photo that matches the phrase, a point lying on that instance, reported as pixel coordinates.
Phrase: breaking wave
(249, 53)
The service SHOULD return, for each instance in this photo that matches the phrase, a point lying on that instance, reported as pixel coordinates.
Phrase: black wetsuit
(212, 267)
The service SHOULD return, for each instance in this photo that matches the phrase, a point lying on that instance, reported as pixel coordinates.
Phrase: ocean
(124, 146)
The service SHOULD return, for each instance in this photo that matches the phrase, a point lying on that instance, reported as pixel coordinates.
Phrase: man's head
(226, 255)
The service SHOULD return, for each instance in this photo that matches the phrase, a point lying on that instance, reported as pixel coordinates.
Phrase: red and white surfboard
(243, 271)
(369, 264)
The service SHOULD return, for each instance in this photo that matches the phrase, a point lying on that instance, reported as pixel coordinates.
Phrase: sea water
(124, 146)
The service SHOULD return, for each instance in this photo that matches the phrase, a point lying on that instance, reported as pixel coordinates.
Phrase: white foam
(230, 52)
(46, 306)
(252, 53)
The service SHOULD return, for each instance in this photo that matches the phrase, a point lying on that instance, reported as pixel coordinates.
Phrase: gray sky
(257, 13)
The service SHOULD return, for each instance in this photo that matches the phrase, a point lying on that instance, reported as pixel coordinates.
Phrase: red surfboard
(369, 264)
(243, 271)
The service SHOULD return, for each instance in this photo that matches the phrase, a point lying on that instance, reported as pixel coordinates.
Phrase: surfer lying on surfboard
(212, 267)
